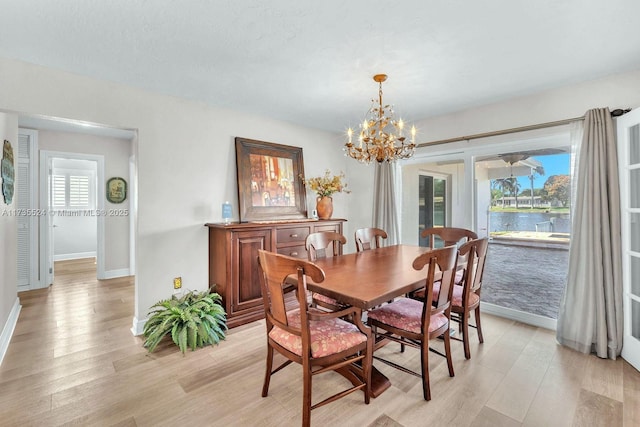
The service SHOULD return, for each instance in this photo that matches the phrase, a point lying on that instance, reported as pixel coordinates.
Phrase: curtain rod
(615, 113)
(500, 132)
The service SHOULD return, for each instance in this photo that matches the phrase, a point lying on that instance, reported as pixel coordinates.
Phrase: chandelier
(381, 135)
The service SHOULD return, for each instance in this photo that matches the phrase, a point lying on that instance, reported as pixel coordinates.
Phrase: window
(71, 191)
(78, 191)
(59, 192)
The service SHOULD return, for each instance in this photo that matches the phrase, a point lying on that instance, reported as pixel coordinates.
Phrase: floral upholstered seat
(406, 314)
(328, 336)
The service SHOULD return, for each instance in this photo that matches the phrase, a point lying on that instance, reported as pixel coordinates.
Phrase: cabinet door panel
(247, 272)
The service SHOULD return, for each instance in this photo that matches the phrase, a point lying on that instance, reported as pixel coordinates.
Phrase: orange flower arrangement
(326, 185)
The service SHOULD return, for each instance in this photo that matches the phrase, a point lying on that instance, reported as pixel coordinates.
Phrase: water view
(526, 221)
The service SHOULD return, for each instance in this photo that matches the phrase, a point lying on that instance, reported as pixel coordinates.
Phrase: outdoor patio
(528, 278)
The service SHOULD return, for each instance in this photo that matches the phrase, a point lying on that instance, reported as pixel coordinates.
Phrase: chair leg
(306, 395)
(424, 355)
(447, 352)
(267, 374)
(465, 335)
(478, 325)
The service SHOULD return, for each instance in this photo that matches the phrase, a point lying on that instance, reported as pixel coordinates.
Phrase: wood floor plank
(604, 376)
(490, 418)
(597, 410)
(631, 395)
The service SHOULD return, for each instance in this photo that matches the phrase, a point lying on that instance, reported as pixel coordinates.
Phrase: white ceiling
(311, 63)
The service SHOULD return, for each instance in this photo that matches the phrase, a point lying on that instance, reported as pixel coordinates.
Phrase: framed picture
(269, 183)
(116, 190)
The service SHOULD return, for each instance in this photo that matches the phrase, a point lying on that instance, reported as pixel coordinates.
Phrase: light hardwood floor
(73, 360)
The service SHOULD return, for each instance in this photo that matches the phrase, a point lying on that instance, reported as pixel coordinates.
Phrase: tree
(538, 170)
(496, 193)
(559, 187)
(509, 185)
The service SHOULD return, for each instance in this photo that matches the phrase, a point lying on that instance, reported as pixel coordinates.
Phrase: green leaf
(194, 320)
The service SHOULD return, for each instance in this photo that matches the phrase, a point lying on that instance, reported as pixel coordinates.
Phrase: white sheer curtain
(385, 212)
(590, 318)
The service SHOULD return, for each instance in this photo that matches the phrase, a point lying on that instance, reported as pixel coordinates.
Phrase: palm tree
(504, 184)
(538, 170)
(509, 185)
(515, 187)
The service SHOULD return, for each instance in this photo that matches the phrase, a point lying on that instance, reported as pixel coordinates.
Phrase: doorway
(526, 196)
(432, 203)
(73, 193)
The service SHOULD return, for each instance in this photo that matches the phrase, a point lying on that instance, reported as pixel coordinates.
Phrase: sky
(556, 164)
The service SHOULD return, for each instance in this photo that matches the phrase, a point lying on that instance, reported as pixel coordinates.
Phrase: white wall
(9, 304)
(186, 163)
(116, 154)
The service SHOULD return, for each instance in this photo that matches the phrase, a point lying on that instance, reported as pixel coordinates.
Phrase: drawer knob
(293, 254)
(293, 235)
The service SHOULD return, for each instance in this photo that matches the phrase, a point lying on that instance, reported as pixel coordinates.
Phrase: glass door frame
(467, 152)
(629, 163)
(447, 195)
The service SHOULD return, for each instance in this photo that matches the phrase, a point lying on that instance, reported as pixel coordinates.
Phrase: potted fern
(194, 320)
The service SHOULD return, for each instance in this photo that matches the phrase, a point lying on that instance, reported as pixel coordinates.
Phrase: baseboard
(112, 274)
(9, 327)
(138, 326)
(79, 255)
(520, 316)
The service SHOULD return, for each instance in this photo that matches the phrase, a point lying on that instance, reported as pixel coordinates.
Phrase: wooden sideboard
(233, 254)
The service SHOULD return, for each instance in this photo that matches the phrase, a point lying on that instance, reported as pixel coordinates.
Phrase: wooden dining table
(369, 278)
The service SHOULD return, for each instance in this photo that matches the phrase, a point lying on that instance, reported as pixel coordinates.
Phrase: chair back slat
(447, 235)
(275, 271)
(475, 252)
(369, 238)
(323, 244)
(443, 260)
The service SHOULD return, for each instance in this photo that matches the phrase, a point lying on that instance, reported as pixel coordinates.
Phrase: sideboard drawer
(292, 234)
(294, 251)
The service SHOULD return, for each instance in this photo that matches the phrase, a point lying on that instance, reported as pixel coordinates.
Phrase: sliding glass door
(432, 203)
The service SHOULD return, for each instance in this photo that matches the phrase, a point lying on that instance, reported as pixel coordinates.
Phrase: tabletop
(369, 278)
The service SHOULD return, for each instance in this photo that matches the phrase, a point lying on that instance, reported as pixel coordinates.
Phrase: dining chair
(414, 323)
(369, 238)
(321, 245)
(447, 236)
(320, 341)
(465, 297)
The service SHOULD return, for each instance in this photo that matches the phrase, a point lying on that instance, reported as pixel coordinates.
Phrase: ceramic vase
(324, 206)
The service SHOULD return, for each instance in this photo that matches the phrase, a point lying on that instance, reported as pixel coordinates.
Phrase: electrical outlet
(177, 283)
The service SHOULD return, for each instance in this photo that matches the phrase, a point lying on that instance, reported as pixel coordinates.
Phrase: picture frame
(269, 183)
(116, 190)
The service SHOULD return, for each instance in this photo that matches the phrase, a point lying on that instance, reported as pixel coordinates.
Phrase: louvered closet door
(629, 161)
(23, 205)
